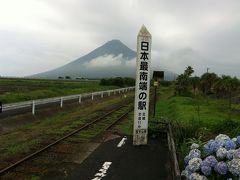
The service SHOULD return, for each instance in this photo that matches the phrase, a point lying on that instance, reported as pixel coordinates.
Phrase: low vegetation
(27, 138)
(118, 81)
(200, 108)
(15, 90)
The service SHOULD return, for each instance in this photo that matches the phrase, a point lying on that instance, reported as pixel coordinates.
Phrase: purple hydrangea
(234, 167)
(210, 161)
(194, 153)
(222, 147)
(186, 173)
(230, 154)
(215, 145)
(187, 159)
(212, 146)
(206, 170)
(230, 144)
(207, 148)
(238, 140)
(221, 168)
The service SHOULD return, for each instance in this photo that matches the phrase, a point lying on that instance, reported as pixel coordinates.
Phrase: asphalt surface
(128, 162)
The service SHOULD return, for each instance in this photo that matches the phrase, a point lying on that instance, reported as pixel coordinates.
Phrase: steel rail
(3, 171)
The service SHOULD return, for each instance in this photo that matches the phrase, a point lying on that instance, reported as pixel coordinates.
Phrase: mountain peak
(114, 41)
(114, 47)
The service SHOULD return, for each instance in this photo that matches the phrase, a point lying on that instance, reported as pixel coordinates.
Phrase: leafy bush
(118, 81)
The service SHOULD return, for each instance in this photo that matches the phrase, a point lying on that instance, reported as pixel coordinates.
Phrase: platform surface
(128, 162)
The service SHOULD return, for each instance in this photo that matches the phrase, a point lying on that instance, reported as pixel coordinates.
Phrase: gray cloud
(36, 36)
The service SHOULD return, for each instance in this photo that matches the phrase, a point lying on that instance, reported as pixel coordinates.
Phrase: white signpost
(141, 107)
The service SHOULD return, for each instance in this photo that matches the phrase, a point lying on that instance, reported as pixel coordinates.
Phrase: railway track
(65, 147)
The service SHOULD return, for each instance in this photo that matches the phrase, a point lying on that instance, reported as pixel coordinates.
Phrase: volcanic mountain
(110, 60)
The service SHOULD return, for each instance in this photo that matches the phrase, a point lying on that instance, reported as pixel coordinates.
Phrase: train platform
(118, 159)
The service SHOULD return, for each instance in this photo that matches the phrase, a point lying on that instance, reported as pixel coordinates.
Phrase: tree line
(118, 81)
(209, 83)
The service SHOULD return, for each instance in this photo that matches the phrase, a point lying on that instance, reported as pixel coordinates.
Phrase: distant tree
(230, 85)
(183, 81)
(129, 81)
(60, 77)
(207, 81)
(189, 70)
(67, 77)
(195, 82)
(118, 81)
(103, 82)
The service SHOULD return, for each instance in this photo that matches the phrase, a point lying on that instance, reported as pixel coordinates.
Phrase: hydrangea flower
(230, 154)
(207, 150)
(194, 153)
(221, 168)
(234, 140)
(234, 167)
(215, 145)
(196, 176)
(229, 144)
(186, 173)
(221, 147)
(194, 146)
(222, 137)
(209, 161)
(195, 164)
(236, 154)
(187, 159)
(221, 153)
(206, 170)
(207, 147)
(238, 139)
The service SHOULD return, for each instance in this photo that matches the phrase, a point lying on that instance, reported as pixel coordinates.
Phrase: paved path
(117, 159)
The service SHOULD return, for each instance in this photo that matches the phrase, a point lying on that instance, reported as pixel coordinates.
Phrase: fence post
(61, 102)
(33, 107)
(1, 107)
(92, 96)
(80, 99)
(102, 95)
(109, 93)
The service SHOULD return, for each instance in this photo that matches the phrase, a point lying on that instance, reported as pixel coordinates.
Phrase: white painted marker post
(141, 107)
(33, 107)
(80, 99)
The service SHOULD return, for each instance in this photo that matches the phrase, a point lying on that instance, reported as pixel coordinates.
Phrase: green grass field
(196, 119)
(15, 90)
(209, 113)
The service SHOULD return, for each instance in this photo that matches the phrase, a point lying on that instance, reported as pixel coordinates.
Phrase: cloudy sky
(39, 35)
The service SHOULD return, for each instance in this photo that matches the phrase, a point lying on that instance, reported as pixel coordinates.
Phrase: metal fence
(60, 100)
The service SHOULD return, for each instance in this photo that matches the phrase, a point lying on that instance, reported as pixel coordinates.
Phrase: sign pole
(141, 107)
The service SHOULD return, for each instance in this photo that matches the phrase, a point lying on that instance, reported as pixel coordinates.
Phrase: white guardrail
(33, 103)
